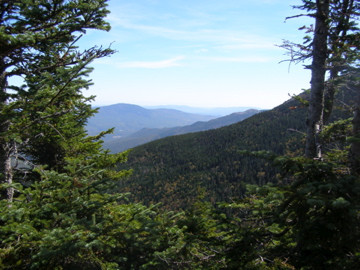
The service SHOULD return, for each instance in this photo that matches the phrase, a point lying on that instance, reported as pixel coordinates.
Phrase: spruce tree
(320, 209)
(38, 45)
(331, 46)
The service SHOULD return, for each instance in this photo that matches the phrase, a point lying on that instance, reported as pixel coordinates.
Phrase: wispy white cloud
(246, 44)
(220, 38)
(202, 50)
(267, 1)
(172, 62)
(248, 59)
(150, 29)
(189, 43)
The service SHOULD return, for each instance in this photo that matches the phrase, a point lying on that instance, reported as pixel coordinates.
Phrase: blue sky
(203, 53)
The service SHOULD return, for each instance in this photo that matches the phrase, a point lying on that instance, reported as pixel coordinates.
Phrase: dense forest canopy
(61, 206)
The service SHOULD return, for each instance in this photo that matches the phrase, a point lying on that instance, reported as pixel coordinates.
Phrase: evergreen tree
(38, 40)
(65, 216)
(321, 207)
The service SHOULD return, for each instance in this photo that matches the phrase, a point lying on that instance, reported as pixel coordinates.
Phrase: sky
(200, 53)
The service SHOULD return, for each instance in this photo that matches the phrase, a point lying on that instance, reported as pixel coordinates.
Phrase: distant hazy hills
(149, 134)
(135, 125)
(128, 118)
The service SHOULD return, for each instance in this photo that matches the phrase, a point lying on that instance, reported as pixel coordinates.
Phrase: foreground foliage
(60, 200)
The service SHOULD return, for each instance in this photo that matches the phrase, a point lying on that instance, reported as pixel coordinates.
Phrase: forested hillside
(176, 170)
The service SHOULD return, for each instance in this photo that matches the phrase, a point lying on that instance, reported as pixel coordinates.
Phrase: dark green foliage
(56, 114)
(58, 221)
(68, 221)
(321, 209)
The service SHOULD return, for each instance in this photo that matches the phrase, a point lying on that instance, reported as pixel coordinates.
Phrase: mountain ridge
(217, 111)
(129, 118)
(149, 134)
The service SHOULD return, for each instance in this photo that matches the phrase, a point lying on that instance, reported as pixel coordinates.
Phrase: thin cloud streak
(172, 62)
(249, 59)
(245, 44)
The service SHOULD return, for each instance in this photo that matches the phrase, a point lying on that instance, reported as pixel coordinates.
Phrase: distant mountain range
(150, 134)
(217, 111)
(135, 125)
(128, 118)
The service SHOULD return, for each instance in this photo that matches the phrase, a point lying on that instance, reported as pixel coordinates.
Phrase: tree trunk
(318, 69)
(337, 37)
(9, 178)
(5, 148)
(354, 155)
(329, 96)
